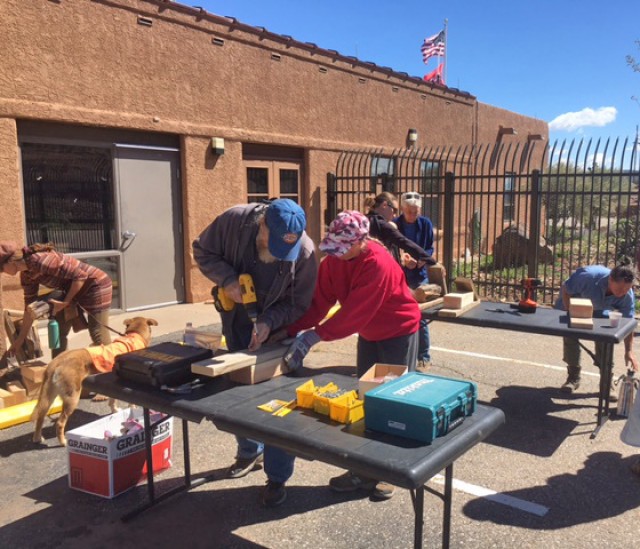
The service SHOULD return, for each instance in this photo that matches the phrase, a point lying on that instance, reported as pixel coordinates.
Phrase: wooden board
(580, 308)
(431, 304)
(463, 284)
(230, 362)
(453, 313)
(436, 274)
(458, 301)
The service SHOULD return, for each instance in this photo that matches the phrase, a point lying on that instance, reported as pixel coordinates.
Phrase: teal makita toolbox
(419, 406)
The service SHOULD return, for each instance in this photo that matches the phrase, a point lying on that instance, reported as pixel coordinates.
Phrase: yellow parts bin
(331, 401)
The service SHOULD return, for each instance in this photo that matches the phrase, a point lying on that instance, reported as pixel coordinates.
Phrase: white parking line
(511, 360)
(517, 503)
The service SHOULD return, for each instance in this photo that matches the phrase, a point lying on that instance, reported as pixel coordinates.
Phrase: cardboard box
(108, 467)
(18, 391)
(33, 371)
(375, 376)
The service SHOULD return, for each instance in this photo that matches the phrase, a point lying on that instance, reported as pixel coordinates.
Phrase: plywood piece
(230, 362)
(580, 308)
(453, 313)
(259, 372)
(457, 300)
(436, 274)
(431, 304)
(581, 323)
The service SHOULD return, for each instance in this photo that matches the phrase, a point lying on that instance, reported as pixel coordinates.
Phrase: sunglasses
(393, 208)
(411, 196)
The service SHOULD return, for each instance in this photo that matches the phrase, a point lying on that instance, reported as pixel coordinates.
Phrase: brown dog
(66, 372)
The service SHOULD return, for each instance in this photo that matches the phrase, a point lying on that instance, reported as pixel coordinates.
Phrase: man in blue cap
(269, 242)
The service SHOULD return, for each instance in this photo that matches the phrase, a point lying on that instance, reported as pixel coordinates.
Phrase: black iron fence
(503, 212)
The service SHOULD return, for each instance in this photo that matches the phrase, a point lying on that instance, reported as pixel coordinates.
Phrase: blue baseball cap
(286, 223)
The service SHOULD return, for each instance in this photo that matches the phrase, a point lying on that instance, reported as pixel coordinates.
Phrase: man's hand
(233, 291)
(408, 261)
(299, 349)
(259, 336)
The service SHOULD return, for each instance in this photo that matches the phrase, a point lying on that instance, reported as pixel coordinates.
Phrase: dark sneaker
(348, 482)
(571, 385)
(274, 494)
(243, 466)
(383, 490)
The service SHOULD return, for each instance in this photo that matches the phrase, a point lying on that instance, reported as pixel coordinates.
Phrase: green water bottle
(53, 331)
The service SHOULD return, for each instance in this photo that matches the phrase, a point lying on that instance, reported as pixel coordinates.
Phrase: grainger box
(109, 467)
(419, 406)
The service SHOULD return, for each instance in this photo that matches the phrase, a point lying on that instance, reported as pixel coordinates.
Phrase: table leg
(606, 370)
(148, 445)
(446, 520)
(418, 509)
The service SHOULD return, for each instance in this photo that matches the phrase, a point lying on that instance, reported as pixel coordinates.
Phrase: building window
(272, 179)
(382, 174)
(508, 199)
(68, 196)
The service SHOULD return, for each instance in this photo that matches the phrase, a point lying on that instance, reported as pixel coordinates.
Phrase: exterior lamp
(412, 137)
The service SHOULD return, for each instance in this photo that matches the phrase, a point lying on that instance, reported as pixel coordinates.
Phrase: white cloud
(572, 121)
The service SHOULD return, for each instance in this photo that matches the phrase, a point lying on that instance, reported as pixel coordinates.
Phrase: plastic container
(53, 332)
(189, 337)
(346, 408)
(614, 318)
(304, 394)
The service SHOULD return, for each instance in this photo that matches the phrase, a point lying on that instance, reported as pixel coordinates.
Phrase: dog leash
(121, 334)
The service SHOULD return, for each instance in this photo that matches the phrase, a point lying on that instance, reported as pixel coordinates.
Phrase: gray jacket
(219, 252)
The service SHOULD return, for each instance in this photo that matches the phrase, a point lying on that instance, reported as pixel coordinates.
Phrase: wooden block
(436, 274)
(457, 301)
(229, 362)
(426, 292)
(259, 372)
(581, 323)
(453, 313)
(580, 308)
(19, 392)
(32, 388)
(34, 371)
(463, 285)
(7, 398)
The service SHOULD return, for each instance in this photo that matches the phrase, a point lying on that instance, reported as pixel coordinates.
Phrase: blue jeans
(424, 343)
(278, 464)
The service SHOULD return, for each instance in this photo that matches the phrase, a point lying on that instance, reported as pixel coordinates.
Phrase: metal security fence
(503, 212)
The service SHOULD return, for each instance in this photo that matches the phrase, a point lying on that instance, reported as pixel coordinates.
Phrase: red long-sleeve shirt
(374, 297)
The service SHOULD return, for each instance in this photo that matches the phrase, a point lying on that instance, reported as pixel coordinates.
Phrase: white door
(150, 226)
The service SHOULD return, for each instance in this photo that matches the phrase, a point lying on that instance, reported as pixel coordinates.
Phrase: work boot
(382, 491)
(573, 380)
(274, 494)
(243, 466)
(423, 366)
(349, 482)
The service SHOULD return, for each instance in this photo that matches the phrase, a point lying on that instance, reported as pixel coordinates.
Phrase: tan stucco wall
(92, 64)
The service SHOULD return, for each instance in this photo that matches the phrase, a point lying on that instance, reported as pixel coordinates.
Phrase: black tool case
(161, 364)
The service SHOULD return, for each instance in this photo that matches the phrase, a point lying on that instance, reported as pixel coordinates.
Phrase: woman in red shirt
(81, 283)
(375, 303)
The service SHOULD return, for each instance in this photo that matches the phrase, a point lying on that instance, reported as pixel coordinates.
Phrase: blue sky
(562, 61)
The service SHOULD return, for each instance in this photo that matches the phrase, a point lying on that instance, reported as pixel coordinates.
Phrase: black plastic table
(401, 462)
(552, 322)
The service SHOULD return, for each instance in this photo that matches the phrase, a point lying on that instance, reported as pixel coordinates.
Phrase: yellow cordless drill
(224, 303)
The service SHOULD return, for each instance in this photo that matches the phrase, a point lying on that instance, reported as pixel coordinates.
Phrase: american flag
(434, 45)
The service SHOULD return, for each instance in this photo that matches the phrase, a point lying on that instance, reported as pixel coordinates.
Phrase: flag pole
(446, 51)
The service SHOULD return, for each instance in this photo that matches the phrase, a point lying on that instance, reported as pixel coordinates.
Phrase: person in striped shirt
(80, 283)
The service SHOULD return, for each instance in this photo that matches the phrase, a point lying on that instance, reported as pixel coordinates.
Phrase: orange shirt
(104, 356)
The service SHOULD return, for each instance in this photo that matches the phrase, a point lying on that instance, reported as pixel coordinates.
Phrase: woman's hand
(57, 306)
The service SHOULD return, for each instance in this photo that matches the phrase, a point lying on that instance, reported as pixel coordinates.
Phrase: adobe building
(126, 126)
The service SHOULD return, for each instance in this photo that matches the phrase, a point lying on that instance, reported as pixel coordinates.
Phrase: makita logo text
(413, 387)
(90, 446)
(138, 438)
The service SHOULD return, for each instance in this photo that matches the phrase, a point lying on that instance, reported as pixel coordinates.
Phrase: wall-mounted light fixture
(505, 130)
(412, 137)
(535, 137)
(217, 145)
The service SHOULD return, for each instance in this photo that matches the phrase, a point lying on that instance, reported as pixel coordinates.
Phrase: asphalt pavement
(539, 481)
